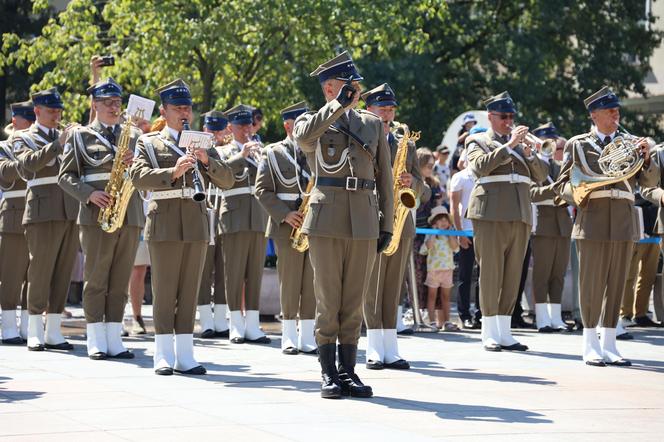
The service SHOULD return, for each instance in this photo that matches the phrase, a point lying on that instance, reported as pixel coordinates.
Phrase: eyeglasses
(503, 116)
(109, 102)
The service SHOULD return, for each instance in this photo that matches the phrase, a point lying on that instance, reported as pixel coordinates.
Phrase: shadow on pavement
(10, 396)
(436, 370)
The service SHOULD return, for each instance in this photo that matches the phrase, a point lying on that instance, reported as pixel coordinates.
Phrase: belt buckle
(615, 194)
(351, 183)
(184, 193)
(513, 179)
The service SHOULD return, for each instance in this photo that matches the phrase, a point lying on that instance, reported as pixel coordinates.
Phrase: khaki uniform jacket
(334, 211)
(175, 219)
(601, 219)
(413, 168)
(240, 213)
(11, 210)
(268, 186)
(655, 193)
(488, 156)
(75, 167)
(42, 160)
(552, 221)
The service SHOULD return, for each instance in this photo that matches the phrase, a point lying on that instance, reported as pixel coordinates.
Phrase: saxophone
(299, 240)
(119, 186)
(404, 198)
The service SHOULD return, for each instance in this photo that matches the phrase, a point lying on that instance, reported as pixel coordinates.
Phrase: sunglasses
(503, 116)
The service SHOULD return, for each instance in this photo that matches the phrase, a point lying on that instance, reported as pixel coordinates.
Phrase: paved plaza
(455, 390)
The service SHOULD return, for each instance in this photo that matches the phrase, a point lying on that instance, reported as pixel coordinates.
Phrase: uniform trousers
(640, 280)
(385, 287)
(14, 260)
(602, 276)
(213, 271)
(244, 259)
(296, 281)
(176, 277)
(550, 259)
(53, 246)
(466, 265)
(342, 269)
(500, 247)
(109, 260)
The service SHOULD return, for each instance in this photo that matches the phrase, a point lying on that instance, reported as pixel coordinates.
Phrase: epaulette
(368, 113)
(579, 137)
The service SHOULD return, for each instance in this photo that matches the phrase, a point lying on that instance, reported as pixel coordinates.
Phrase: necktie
(607, 140)
(110, 136)
(51, 134)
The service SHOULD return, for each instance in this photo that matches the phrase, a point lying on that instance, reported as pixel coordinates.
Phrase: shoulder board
(366, 112)
(579, 137)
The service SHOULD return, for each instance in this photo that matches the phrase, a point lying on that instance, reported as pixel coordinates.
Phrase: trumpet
(532, 139)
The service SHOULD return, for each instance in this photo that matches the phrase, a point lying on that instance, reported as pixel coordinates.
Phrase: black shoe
(310, 352)
(61, 346)
(38, 347)
(596, 363)
(492, 347)
(406, 332)
(207, 334)
(351, 385)
(477, 323)
(468, 324)
(401, 364)
(261, 340)
(620, 363)
(331, 385)
(221, 334)
(546, 329)
(625, 337)
(562, 329)
(123, 355)
(290, 351)
(578, 325)
(99, 356)
(645, 321)
(14, 341)
(520, 323)
(164, 371)
(199, 370)
(374, 365)
(237, 340)
(125, 333)
(514, 347)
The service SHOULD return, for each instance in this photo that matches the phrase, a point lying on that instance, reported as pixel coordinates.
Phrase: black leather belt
(349, 183)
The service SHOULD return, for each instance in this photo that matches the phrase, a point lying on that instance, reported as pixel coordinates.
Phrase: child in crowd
(440, 250)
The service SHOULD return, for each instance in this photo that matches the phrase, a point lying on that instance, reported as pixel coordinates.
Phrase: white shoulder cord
(275, 170)
(5, 148)
(80, 147)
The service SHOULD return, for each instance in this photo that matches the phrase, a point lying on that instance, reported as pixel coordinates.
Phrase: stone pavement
(254, 393)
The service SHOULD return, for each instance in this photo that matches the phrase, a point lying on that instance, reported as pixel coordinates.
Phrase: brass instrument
(119, 186)
(199, 189)
(548, 147)
(299, 240)
(620, 160)
(404, 197)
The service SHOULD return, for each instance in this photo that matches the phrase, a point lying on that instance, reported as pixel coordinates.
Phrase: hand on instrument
(248, 147)
(294, 218)
(517, 136)
(100, 199)
(384, 239)
(465, 242)
(183, 164)
(644, 147)
(128, 158)
(347, 94)
(406, 179)
(202, 156)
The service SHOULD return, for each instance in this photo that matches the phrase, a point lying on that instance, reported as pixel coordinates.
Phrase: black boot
(331, 386)
(351, 385)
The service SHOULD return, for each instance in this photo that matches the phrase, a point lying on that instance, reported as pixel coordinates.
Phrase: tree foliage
(441, 58)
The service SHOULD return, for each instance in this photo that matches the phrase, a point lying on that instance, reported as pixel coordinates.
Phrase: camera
(107, 60)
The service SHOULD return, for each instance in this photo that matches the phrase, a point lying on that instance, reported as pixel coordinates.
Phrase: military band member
(176, 229)
(281, 181)
(49, 220)
(350, 216)
(500, 210)
(243, 222)
(551, 239)
(380, 305)
(109, 257)
(213, 322)
(14, 257)
(604, 227)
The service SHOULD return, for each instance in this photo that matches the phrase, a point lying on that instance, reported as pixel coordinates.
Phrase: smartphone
(107, 60)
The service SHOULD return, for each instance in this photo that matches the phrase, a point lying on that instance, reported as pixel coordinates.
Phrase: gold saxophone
(404, 198)
(119, 186)
(299, 240)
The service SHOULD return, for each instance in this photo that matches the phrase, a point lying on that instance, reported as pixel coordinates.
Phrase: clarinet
(199, 190)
